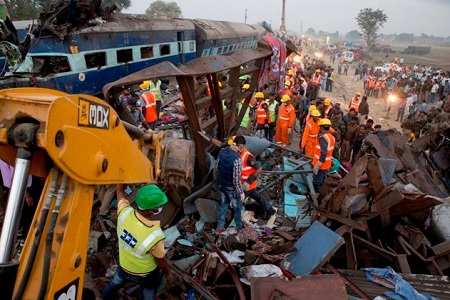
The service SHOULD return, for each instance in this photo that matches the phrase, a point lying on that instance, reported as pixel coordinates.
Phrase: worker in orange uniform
(290, 77)
(356, 101)
(326, 108)
(285, 122)
(322, 154)
(262, 116)
(310, 134)
(149, 109)
(250, 170)
(316, 82)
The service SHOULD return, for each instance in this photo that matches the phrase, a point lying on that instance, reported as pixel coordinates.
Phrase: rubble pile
(375, 215)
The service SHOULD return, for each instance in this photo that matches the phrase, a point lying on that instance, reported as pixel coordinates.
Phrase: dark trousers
(319, 179)
(271, 132)
(263, 202)
(149, 284)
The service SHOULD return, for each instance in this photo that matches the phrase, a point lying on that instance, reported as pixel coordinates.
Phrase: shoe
(267, 214)
(220, 231)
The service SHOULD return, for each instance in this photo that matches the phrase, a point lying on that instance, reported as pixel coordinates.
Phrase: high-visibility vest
(329, 138)
(272, 110)
(135, 241)
(261, 114)
(149, 99)
(316, 79)
(155, 88)
(355, 104)
(246, 117)
(372, 83)
(247, 170)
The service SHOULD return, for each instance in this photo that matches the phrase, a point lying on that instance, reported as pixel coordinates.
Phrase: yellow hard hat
(287, 83)
(324, 122)
(412, 135)
(220, 84)
(312, 107)
(315, 113)
(290, 73)
(145, 85)
(259, 95)
(327, 101)
(358, 94)
(246, 86)
(285, 98)
(230, 140)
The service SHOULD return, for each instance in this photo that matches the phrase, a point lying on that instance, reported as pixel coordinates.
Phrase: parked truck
(420, 50)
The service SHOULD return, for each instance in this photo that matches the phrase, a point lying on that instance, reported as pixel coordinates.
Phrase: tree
(370, 21)
(311, 32)
(353, 35)
(161, 9)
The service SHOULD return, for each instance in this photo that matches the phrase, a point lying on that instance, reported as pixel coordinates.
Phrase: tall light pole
(283, 18)
(245, 16)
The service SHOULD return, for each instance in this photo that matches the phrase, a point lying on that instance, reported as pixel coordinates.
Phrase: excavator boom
(75, 142)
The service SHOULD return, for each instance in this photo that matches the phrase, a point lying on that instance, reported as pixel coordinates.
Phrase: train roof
(210, 29)
(133, 22)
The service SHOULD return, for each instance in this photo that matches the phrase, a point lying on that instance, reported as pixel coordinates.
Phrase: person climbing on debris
(141, 243)
(228, 171)
(322, 154)
(309, 137)
(286, 120)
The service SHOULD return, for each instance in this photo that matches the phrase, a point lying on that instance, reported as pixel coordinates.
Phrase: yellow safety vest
(272, 108)
(135, 241)
(156, 89)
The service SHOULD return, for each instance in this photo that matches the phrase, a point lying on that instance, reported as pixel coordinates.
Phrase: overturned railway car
(87, 59)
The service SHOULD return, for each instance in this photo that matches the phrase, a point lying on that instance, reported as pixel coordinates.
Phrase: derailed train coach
(84, 60)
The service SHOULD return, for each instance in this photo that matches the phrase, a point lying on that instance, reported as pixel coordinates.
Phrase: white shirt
(435, 88)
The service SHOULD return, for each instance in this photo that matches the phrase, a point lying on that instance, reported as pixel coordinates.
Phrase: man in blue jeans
(228, 170)
(141, 243)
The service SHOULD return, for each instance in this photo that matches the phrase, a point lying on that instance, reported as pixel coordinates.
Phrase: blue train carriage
(224, 38)
(88, 59)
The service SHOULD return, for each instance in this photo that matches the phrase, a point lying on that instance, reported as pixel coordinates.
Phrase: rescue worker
(287, 88)
(286, 121)
(126, 94)
(136, 113)
(316, 82)
(149, 108)
(155, 88)
(262, 116)
(326, 108)
(310, 134)
(322, 154)
(273, 113)
(246, 118)
(228, 171)
(141, 243)
(290, 77)
(250, 170)
(355, 102)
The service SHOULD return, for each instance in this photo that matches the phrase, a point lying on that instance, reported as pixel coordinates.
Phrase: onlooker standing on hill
(363, 110)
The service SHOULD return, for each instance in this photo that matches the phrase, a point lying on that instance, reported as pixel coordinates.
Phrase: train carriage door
(181, 50)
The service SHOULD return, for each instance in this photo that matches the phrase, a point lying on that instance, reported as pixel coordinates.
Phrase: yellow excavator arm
(75, 142)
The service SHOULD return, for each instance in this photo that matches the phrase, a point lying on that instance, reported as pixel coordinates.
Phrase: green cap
(149, 197)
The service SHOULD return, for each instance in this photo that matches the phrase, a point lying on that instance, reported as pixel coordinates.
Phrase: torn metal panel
(392, 145)
(316, 287)
(314, 249)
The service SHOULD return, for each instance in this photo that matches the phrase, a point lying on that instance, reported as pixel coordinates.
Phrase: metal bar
(15, 204)
(288, 172)
(196, 285)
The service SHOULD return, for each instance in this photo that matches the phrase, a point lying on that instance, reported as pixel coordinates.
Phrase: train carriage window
(191, 46)
(164, 49)
(147, 52)
(220, 51)
(48, 65)
(95, 60)
(205, 52)
(124, 56)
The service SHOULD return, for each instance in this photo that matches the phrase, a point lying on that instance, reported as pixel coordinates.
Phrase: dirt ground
(344, 88)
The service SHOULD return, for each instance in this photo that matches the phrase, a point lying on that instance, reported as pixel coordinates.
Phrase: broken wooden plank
(402, 263)
(350, 251)
(392, 197)
(284, 235)
(387, 254)
(347, 221)
(441, 249)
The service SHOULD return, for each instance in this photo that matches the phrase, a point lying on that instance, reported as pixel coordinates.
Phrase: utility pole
(283, 18)
(245, 16)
